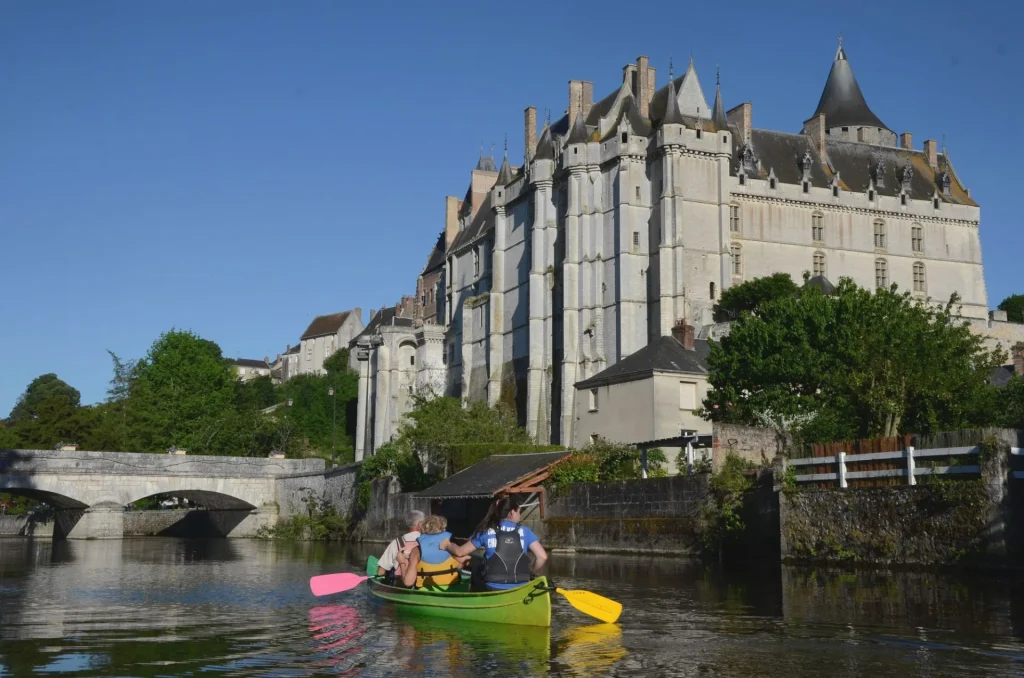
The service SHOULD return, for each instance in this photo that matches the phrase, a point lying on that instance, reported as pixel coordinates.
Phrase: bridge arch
(214, 501)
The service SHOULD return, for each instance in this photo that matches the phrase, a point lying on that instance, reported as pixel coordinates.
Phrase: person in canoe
(395, 559)
(507, 546)
(431, 565)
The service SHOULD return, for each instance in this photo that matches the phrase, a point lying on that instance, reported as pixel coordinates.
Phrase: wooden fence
(896, 467)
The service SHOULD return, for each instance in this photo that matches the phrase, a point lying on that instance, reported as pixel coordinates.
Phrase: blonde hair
(434, 524)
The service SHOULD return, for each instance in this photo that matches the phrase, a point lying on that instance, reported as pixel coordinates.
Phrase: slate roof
(579, 132)
(293, 350)
(324, 325)
(482, 223)
(385, 317)
(822, 284)
(718, 117)
(486, 163)
(486, 477)
(1001, 376)
(842, 101)
(545, 146)
(854, 162)
(249, 362)
(630, 111)
(664, 354)
(436, 258)
(505, 175)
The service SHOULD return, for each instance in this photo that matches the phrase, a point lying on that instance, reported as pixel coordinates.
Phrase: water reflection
(175, 607)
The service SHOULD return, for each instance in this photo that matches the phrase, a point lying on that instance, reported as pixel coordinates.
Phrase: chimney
(682, 332)
(575, 99)
(287, 348)
(815, 129)
(529, 132)
(451, 223)
(931, 149)
(266, 359)
(629, 77)
(643, 96)
(588, 97)
(1018, 359)
(741, 118)
(652, 82)
(906, 141)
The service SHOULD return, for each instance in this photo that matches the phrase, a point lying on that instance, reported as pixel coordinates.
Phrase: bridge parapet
(32, 462)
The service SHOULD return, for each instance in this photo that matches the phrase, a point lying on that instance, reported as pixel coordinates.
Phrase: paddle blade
(371, 566)
(599, 607)
(326, 584)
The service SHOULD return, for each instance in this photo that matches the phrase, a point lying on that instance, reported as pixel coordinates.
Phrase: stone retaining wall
(24, 526)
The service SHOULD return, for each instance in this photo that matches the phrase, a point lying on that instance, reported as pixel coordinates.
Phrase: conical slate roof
(718, 114)
(842, 101)
(545, 147)
(505, 175)
(672, 114)
(486, 163)
(579, 133)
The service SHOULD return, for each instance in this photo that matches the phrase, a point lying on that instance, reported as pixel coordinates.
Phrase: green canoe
(527, 605)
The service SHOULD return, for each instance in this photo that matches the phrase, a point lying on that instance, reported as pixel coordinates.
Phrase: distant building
(326, 335)
(247, 368)
(1002, 375)
(285, 365)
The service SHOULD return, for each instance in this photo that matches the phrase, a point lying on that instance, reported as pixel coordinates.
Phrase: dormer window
(743, 179)
(835, 191)
(625, 137)
(807, 187)
(935, 203)
(771, 183)
(871, 195)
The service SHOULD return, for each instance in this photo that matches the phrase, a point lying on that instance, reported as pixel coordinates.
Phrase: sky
(235, 168)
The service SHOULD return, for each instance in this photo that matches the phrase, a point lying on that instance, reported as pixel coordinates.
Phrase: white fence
(911, 472)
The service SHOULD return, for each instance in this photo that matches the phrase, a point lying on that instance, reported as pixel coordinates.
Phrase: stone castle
(633, 213)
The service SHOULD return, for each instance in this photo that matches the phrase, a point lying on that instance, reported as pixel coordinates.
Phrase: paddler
(395, 559)
(506, 544)
(431, 565)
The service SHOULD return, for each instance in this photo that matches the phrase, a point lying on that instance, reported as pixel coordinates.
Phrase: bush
(465, 455)
(321, 522)
(604, 461)
(720, 515)
(391, 459)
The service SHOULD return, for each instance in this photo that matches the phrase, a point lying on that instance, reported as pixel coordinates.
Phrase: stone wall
(757, 445)
(22, 462)
(385, 516)
(24, 526)
(657, 514)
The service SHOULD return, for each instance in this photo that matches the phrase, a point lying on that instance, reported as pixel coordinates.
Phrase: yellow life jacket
(430, 575)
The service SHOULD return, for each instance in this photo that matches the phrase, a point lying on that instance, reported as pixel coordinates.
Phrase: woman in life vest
(431, 565)
(507, 546)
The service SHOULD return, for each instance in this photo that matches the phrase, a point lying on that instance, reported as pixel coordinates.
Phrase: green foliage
(855, 364)
(42, 394)
(320, 522)
(749, 296)
(1008, 405)
(258, 393)
(720, 516)
(701, 462)
(392, 459)
(337, 363)
(604, 461)
(1014, 307)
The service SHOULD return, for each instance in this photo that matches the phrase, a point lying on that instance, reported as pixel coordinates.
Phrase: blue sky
(236, 168)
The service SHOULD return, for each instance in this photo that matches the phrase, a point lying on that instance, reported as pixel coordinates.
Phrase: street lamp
(334, 423)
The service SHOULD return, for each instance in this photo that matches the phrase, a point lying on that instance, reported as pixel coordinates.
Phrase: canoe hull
(527, 605)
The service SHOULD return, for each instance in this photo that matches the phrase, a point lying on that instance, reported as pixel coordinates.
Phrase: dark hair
(497, 512)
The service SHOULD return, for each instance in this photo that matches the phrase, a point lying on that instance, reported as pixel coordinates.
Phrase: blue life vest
(430, 548)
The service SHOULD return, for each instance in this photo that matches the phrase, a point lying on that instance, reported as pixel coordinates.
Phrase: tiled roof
(248, 362)
(486, 477)
(324, 325)
(664, 354)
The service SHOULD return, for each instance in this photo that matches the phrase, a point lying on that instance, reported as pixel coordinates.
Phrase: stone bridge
(91, 490)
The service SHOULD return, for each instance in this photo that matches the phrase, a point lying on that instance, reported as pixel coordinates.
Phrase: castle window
(743, 179)
(476, 264)
(736, 260)
(636, 240)
(771, 183)
(935, 203)
(846, 129)
(625, 137)
(700, 132)
(593, 400)
(412, 360)
(881, 274)
(807, 187)
(917, 238)
(835, 191)
(734, 218)
(879, 234)
(871, 195)
(638, 193)
(819, 263)
(818, 227)
(919, 279)
(711, 291)
(725, 139)
(903, 198)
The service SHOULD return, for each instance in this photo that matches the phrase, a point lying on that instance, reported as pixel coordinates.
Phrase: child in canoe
(506, 544)
(430, 564)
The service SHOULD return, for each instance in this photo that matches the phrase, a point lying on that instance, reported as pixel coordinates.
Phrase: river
(171, 607)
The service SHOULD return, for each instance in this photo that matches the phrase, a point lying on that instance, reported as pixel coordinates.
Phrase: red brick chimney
(1018, 359)
(682, 332)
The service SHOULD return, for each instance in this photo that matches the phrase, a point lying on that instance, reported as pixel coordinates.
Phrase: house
(651, 395)
(247, 368)
(325, 335)
(1002, 375)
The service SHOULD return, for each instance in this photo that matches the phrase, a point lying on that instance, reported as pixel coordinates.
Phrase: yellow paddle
(599, 607)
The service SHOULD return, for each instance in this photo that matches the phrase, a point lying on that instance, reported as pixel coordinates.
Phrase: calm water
(167, 607)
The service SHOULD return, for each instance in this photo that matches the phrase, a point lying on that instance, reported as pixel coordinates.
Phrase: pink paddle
(327, 584)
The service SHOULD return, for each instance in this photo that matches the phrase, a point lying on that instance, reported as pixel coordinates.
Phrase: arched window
(819, 264)
(818, 227)
(917, 238)
(920, 282)
(734, 218)
(736, 260)
(879, 234)
(881, 274)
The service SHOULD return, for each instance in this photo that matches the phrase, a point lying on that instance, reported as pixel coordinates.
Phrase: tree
(852, 364)
(749, 296)
(1008, 406)
(42, 388)
(117, 396)
(183, 395)
(1014, 307)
